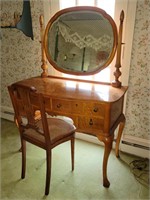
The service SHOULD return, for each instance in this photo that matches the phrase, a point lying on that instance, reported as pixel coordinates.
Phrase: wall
(20, 55)
(138, 98)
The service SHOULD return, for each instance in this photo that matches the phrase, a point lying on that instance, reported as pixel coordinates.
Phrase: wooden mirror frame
(81, 8)
(116, 83)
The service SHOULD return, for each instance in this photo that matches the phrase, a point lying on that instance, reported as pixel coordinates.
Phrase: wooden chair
(45, 133)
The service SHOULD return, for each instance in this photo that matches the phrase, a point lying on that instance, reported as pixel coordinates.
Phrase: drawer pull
(95, 109)
(58, 105)
(91, 122)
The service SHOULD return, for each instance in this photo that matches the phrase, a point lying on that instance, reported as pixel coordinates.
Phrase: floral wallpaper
(20, 55)
(138, 98)
(21, 58)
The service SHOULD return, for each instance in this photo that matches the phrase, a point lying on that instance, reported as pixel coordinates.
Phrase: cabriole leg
(121, 127)
(108, 146)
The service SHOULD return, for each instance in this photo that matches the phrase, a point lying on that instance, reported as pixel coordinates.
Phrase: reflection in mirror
(81, 41)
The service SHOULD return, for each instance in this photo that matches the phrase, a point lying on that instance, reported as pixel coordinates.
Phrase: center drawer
(67, 106)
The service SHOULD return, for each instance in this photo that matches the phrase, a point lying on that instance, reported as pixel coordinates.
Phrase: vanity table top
(71, 89)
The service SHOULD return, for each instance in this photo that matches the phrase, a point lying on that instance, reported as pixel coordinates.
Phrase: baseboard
(136, 140)
(127, 147)
(135, 150)
(7, 113)
(136, 146)
(129, 144)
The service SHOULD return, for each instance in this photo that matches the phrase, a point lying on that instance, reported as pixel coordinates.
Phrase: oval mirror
(80, 40)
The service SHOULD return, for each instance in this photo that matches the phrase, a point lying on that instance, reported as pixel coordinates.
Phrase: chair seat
(58, 128)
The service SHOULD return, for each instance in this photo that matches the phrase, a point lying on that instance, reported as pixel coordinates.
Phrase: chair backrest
(21, 97)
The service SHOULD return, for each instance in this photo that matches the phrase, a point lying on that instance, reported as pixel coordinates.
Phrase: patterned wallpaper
(21, 58)
(138, 99)
(20, 55)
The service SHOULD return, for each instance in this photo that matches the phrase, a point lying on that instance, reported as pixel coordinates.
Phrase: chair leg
(48, 171)
(23, 147)
(72, 152)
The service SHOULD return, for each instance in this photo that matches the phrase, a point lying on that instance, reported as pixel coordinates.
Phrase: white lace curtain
(104, 42)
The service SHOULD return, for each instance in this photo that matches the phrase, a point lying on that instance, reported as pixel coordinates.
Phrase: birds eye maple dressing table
(83, 40)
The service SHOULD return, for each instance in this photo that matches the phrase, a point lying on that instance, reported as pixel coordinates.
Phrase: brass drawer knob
(58, 105)
(91, 122)
(95, 109)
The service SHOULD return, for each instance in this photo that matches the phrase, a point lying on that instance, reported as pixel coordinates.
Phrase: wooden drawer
(90, 123)
(67, 106)
(94, 109)
(35, 102)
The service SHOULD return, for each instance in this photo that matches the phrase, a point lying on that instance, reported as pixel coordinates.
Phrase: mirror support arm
(116, 83)
(44, 65)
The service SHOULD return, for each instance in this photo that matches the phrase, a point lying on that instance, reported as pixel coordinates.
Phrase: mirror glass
(80, 41)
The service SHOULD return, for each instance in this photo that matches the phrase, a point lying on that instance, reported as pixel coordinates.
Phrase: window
(99, 3)
(113, 8)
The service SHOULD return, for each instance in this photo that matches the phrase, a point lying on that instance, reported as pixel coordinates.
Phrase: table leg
(108, 146)
(121, 127)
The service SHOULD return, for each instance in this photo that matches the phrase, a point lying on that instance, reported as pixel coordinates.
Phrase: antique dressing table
(83, 41)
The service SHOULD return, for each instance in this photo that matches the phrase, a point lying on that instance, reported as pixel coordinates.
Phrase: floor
(85, 183)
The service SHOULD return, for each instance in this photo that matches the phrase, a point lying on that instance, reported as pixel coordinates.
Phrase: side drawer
(94, 109)
(35, 102)
(90, 123)
(67, 106)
